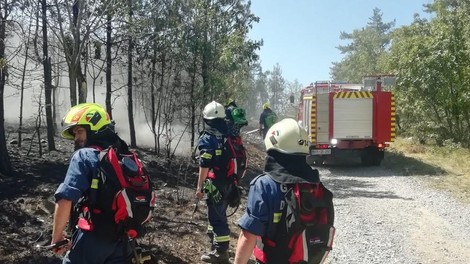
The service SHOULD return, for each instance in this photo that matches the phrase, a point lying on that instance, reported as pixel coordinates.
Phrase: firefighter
(213, 181)
(90, 127)
(235, 117)
(266, 119)
(285, 164)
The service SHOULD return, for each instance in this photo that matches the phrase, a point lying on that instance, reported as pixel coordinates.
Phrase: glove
(212, 191)
(216, 196)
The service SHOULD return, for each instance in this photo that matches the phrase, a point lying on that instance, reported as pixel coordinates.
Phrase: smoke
(180, 139)
(34, 98)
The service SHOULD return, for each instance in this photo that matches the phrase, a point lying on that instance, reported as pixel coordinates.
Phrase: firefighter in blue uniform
(286, 146)
(213, 181)
(90, 127)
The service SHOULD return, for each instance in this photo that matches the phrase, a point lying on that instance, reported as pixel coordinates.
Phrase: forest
(162, 61)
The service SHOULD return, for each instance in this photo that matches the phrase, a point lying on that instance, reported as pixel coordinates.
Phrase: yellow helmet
(230, 101)
(288, 137)
(266, 106)
(91, 116)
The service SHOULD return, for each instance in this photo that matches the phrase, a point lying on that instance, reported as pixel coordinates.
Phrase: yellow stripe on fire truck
(393, 119)
(313, 120)
(353, 95)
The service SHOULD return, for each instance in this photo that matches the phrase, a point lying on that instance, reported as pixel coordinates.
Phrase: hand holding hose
(59, 248)
(199, 194)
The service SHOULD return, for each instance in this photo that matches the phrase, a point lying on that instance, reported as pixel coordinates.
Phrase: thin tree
(47, 79)
(109, 45)
(5, 10)
(130, 103)
(82, 21)
(23, 77)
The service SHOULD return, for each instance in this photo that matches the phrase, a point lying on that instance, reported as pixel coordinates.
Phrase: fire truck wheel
(378, 157)
(371, 156)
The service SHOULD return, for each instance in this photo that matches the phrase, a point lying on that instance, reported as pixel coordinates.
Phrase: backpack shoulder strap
(92, 194)
(103, 154)
(230, 146)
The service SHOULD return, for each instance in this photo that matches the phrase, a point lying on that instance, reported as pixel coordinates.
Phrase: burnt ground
(174, 236)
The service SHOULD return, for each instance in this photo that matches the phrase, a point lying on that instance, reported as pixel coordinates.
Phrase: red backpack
(306, 232)
(120, 199)
(236, 169)
(238, 160)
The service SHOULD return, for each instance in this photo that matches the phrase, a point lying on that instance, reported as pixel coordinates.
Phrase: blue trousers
(88, 249)
(218, 230)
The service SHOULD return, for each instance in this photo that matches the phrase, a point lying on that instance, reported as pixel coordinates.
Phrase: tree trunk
(73, 86)
(206, 93)
(153, 114)
(23, 77)
(75, 73)
(205, 63)
(192, 98)
(47, 80)
(5, 165)
(109, 44)
(54, 87)
(82, 84)
(130, 104)
(82, 75)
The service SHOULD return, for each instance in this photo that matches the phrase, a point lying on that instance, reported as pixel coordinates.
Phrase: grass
(446, 167)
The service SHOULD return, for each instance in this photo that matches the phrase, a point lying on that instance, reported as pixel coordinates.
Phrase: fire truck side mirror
(291, 98)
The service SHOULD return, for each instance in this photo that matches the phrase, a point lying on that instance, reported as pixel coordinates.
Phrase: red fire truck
(343, 118)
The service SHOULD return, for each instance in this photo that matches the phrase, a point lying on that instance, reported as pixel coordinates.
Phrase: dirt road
(383, 218)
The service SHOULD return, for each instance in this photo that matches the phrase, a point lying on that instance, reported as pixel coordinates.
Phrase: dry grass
(446, 167)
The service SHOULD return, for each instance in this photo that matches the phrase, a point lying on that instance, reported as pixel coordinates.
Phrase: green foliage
(362, 54)
(432, 61)
(276, 88)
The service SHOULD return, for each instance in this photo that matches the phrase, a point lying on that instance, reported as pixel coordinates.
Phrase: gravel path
(383, 218)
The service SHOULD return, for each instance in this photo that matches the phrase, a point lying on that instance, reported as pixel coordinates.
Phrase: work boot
(216, 256)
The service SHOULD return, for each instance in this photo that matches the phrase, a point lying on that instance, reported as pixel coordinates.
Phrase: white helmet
(288, 137)
(213, 110)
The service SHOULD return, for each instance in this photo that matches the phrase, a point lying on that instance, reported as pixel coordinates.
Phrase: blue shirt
(210, 149)
(264, 206)
(83, 166)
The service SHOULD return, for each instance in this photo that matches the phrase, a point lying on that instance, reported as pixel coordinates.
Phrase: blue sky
(302, 35)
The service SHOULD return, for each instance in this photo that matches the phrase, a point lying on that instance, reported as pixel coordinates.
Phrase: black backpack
(120, 199)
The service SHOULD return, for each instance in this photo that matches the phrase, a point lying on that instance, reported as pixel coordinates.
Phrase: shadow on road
(394, 164)
(350, 188)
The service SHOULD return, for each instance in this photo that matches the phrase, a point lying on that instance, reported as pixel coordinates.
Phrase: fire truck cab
(343, 118)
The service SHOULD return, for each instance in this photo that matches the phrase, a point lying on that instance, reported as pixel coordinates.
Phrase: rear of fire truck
(345, 119)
